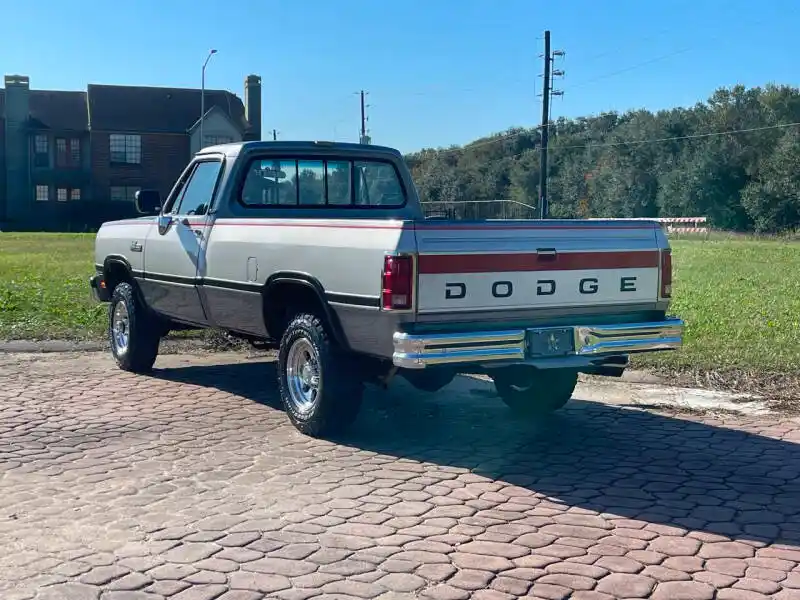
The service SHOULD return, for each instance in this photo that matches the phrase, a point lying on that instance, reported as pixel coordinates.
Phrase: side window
(270, 182)
(338, 182)
(198, 193)
(311, 181)
(377, 184)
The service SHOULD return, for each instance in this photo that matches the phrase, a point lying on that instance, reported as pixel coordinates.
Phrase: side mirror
(147, 202)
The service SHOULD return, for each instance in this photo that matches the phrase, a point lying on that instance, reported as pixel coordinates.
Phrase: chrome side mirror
(147, 202)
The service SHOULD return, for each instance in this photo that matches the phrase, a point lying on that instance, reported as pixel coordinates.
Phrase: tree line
(734, 159)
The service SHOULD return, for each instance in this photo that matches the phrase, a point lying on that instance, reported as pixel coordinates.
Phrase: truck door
(173, 250)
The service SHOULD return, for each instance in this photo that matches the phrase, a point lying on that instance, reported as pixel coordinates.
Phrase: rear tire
(320, 390)
(133, 333)
(531, 392)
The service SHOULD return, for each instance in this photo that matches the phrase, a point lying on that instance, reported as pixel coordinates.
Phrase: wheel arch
(286, 293)
(117, 269)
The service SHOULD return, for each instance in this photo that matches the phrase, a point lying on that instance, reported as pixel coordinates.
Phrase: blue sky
(439, 72)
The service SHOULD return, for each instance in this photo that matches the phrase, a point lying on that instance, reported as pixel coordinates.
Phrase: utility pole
(545, 125)
(548, 91)
(363, 136)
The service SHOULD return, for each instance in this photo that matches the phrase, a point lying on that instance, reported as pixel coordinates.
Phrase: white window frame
(125, 148)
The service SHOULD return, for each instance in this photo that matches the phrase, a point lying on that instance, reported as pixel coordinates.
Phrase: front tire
(532, 392)
(132, 332)
(320, 389)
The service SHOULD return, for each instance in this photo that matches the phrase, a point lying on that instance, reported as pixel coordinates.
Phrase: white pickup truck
(321, 250)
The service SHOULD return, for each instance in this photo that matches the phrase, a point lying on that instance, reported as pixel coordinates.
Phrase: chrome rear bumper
(417, 351)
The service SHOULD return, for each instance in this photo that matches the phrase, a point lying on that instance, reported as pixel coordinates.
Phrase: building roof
(156, 110)
(208, 113)
(55, 110)
(58, 110)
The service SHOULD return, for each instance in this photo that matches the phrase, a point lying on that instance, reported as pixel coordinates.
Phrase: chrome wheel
(302, 376)
(120, 328)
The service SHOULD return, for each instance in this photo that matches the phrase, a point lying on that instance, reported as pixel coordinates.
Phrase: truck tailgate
(495, 266)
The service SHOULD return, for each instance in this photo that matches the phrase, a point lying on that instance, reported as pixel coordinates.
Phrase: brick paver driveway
(191, 485)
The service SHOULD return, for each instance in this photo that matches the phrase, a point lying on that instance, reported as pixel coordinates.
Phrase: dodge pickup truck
(321, 251)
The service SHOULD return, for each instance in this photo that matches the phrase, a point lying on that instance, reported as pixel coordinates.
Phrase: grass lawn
(44, 287)
(740, 298)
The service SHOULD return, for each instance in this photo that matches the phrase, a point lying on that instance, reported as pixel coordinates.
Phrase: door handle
(197, 233)
(546, 253)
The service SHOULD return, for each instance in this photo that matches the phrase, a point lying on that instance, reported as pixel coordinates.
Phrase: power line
(505, 137)
(657, 58)
(611, 144)
(695, 136)
(631, 68)
(675, 9)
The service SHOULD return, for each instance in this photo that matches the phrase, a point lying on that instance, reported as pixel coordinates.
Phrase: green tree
(676, 162)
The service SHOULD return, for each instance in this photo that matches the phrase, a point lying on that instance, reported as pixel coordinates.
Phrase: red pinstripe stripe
(417, 226)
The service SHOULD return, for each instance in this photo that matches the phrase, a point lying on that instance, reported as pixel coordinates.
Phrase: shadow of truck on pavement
(683, 473)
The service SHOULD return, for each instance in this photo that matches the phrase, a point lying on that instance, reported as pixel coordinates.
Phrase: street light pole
(203, 96)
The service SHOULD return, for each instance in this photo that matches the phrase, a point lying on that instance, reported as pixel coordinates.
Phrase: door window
(198, 193)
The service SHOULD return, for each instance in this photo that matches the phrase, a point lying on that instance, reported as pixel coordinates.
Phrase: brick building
(71, 160)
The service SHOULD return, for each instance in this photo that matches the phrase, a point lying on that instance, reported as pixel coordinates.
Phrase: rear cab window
(276, 182)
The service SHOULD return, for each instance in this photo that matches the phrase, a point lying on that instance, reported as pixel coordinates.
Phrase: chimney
(17, 148)
(252, 107)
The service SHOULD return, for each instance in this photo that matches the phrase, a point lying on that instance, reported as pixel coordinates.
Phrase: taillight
(666, 273)
(398, 282)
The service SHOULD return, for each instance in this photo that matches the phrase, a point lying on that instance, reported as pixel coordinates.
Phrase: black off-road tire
(340, 389)
(533, 392)
(143, 331)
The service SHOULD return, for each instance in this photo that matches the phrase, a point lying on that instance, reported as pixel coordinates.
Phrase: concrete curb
(55, 346)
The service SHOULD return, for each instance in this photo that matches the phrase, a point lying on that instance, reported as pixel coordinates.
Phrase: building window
(68, 152)
(213, 140)
(75, 152)
(65, 194)
(42, 193)
(123, 193)
(125, 149)
(41, 150)
(41, 143)
(61, 152)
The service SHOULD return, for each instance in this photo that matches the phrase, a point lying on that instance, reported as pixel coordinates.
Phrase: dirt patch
(780, 390)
